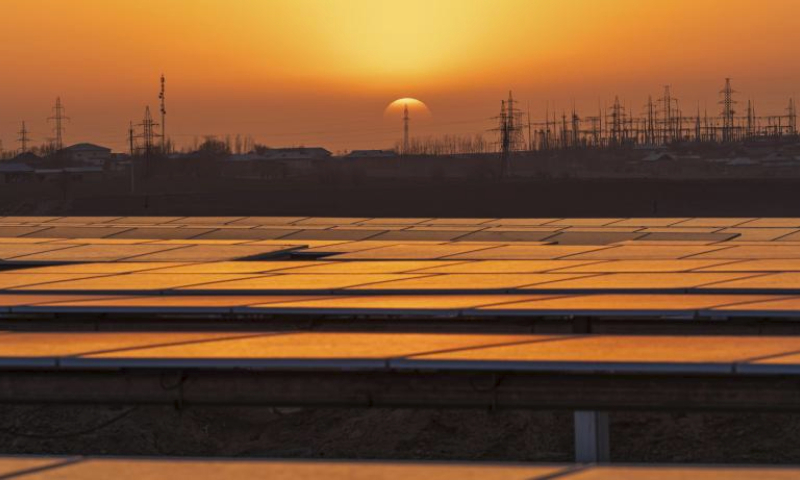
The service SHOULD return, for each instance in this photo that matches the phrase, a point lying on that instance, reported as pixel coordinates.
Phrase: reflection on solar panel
(128, 282)
(472, 282)
(394, 304)
(299, 282)
(626, 353)
(96, 253)
(650, 252)
(625, 304)
(641, 281)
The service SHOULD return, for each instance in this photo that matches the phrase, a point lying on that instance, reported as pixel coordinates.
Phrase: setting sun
(416, 108)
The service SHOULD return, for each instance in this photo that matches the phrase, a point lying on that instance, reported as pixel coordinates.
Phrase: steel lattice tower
(23, 138)
(59, 118)
(728, 113)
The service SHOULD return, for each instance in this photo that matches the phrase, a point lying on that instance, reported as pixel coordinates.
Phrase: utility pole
(59, 118)
(791, 112)
(23, 138)
(162, 96)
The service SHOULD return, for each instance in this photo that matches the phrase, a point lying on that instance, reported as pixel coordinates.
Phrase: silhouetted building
(12, 172)
(88, 153)
(371, 154)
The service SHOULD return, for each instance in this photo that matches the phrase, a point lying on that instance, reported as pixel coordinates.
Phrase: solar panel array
(393, 295)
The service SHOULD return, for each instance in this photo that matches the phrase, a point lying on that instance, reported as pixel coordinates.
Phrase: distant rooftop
(86, 147)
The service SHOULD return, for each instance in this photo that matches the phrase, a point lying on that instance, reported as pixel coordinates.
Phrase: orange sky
(292, 72)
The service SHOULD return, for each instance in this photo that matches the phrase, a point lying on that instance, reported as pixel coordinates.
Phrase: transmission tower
(669, 107)
(650, 122)
(23, 138)
(162, 96)
(406, 121)
(791, 112)
(728, 112)
(59, 118)
(147, 137)
(617, 123)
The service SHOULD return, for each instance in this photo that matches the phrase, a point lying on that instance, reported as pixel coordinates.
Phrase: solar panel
(643, 266)
(620, 304)
(768, 265)
(649, 252)
(246, 234)
(11, 466)
(143, 220)
(748, 252)
(395, 221)
(689, 237)
(163, 233)
(772, 282)
(255, 221)
(205, 220)
(459, 221)
(23, 299)
(592, 238)
(9, 251)
(94, 253)
(79, 232)
(525, 252)
(347, 247)
(114, 283)
(476, 282)
(211, 253)
(253, 266)
(33, 219)
(681, 472)
(368, 266)
(193, 469)
(778, 222)
(496, 266)
(714, 222)
(640, 281)
(495, 235)
(648, 222)
(769, 306)
(521, 222)
(677, 354)
(391, 304)
(11, 232)
(153, 304)
(330, 221)
(101, 268)
(334, 234)
(43, 349)
(585, 222)
(758, 234)
(429, 235)
(298, 350)
(82, 220)
(298, 282)
(411, 252)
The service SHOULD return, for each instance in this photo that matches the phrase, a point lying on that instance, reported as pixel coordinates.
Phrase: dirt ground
(393, 434)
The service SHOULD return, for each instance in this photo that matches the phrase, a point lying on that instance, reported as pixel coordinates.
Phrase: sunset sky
(321, 72)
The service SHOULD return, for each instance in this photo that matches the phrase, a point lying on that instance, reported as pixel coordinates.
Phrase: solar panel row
(97, 468)
(314, 351)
